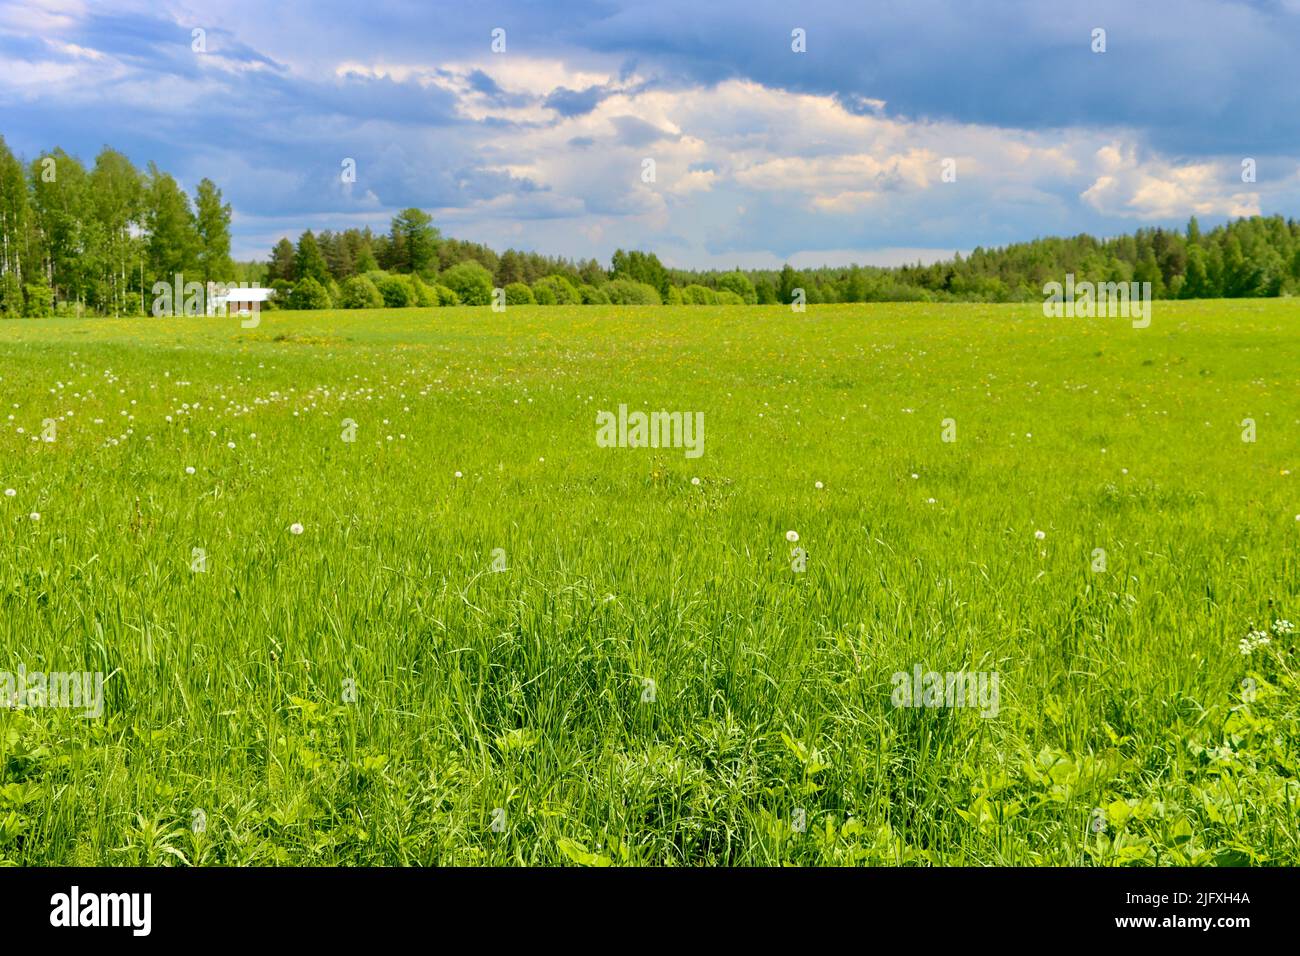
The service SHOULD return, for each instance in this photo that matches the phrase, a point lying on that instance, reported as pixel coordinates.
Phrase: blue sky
(761, 154)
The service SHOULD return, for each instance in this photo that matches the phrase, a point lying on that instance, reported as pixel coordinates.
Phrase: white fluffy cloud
(1157, 189)
(751, 148)
(548, 149)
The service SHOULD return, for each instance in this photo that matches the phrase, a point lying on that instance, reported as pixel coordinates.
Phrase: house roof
(245, 295)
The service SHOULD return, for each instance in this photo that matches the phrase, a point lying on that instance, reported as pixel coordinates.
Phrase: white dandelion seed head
(695, 481)
(9, 492)
(295, 528)
(35, 516)
(189, 469)
(792, 536)
(818, 485)
(459, 475)
(1040, 535)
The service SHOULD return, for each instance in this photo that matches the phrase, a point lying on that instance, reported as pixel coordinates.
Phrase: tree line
(1250, 257)
(76, 239)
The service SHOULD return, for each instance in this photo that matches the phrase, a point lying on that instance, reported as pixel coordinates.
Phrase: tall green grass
(649, 681)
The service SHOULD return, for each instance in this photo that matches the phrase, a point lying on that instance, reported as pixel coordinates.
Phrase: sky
(761, 153)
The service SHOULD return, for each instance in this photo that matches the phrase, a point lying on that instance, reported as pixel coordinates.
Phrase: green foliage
(626, 292)
(11, 296)
(544, 294)
(365, 260)
(281, 265)
(358, 292)
(413, 242)
(309, 294)
(308, 263)
(39, 300)
(446, 296)
(593, 295)
(727, 297)
(397, 291)
(739, 284)
(471, 282)
(644, 267)
(173, 235)
(283, 297)
(518, 294)
(699, 295)
(425, 296)
(212, 223)
(788, 282)
(562, 290)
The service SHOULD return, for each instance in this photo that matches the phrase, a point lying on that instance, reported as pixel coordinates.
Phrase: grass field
(649, 680)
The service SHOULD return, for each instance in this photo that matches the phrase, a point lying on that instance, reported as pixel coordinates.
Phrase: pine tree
(281, 265)
(308, 262)
(414, 241)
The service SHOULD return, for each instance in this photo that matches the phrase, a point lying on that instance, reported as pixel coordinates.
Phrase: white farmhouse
(236, 300)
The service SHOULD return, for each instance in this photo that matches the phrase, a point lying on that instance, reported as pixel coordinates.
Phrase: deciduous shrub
(40, 301)
(425, 296)
(739, 284)
(699, 295)
(398, 292)
(309, 294)
(565, 293)
(519, 294)
(471, 282)
(627, 292)
(358, 292)
(283, 298)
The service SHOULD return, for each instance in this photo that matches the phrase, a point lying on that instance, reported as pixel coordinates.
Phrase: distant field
(649, 680)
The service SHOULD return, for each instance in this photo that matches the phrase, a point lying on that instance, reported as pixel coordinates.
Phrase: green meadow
(472, 635)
